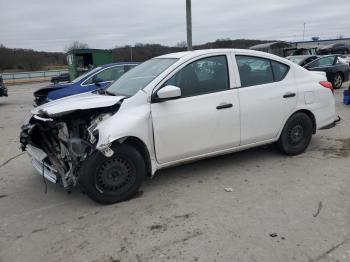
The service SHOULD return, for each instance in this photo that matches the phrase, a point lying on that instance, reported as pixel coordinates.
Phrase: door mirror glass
(168, 92)
(97, 80)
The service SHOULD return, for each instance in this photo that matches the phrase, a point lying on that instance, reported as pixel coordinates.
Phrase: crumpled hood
(77, 102)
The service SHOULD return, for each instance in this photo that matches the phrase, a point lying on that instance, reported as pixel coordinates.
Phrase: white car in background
(173, 109)
(344, 59)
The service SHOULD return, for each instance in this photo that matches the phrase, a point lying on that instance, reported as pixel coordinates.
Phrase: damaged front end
(59, 145)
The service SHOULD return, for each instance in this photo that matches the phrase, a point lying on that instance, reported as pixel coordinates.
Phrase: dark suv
(3, 89)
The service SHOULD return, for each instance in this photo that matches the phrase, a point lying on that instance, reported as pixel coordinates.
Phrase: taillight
(327, 84)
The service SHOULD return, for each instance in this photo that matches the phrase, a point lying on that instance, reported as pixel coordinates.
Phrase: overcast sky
(51, 25)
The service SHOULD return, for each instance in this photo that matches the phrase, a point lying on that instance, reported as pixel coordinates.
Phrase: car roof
(302, 56)
(195, 53)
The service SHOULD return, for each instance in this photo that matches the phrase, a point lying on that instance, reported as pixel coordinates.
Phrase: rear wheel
(113, 179)
(337, 81)
(296, 134)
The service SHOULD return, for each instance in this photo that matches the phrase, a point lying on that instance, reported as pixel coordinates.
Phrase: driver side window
(110, 74)
(203, 76)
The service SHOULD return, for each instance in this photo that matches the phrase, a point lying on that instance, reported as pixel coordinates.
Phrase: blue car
(100, 77)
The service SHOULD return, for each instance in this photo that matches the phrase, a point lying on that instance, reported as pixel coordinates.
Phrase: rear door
(267, 97)
(205, 119)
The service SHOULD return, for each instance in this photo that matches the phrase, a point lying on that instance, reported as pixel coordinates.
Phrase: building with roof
(276, 47)
(321, 43)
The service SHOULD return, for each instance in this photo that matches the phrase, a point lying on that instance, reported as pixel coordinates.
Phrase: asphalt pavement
(279, 209)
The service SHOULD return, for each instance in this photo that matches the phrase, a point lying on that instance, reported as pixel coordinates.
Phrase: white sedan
(173, 109)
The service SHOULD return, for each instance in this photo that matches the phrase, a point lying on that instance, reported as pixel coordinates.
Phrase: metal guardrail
(31, 75)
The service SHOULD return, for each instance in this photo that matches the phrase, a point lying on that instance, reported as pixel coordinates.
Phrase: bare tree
(75, 45)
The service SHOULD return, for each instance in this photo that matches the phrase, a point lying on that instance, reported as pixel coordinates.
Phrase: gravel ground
(280, 208)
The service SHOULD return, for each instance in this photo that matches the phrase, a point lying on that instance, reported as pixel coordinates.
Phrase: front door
(204, 119)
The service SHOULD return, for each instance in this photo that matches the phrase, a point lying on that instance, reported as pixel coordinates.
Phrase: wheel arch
(141, 147)
(309, 114)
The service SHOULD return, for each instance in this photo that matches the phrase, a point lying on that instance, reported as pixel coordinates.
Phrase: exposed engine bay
(59, 145)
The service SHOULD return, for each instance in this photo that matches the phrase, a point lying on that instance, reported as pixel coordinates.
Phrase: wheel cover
(115, 175)
(338, 80)
(295, 134)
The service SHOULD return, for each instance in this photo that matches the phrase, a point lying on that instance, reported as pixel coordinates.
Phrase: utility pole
(189, 25)
(304, 31)
(130, 53)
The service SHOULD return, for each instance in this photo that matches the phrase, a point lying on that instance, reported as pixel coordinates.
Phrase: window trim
(270, 62)
(160, 85)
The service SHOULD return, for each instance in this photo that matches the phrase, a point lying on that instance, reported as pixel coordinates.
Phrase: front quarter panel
(133, 119)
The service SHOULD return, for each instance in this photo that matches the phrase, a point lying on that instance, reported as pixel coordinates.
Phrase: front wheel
(296, 134)
(109, 180)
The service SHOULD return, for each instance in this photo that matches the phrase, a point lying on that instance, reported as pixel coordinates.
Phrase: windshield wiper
(109, 93)
(102, 91)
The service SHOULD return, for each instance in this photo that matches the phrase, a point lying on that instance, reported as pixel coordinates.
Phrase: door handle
(223, 106)
(289, 94)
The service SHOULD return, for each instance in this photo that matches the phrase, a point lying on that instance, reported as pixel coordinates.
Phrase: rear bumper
(331, 125)
(37, 155)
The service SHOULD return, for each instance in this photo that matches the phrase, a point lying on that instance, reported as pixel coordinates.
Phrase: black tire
(296, 134)
(337, 81)
(109, 180)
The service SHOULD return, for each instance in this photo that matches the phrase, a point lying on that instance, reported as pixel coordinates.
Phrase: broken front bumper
(37, 155)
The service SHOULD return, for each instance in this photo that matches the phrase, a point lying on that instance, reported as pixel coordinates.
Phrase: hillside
(13, 59)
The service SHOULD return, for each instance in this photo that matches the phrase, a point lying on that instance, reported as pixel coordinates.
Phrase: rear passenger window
(279, 70)
(254, 70)
(257, 71)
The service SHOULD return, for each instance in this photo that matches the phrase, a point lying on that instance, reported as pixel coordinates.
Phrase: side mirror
(166, 93)
(97, 80)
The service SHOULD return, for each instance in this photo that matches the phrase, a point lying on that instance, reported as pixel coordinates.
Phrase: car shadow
(207, 168)
(48, 194)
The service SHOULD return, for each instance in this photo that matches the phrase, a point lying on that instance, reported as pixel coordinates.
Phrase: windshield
(76, 80)
(140, 76)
